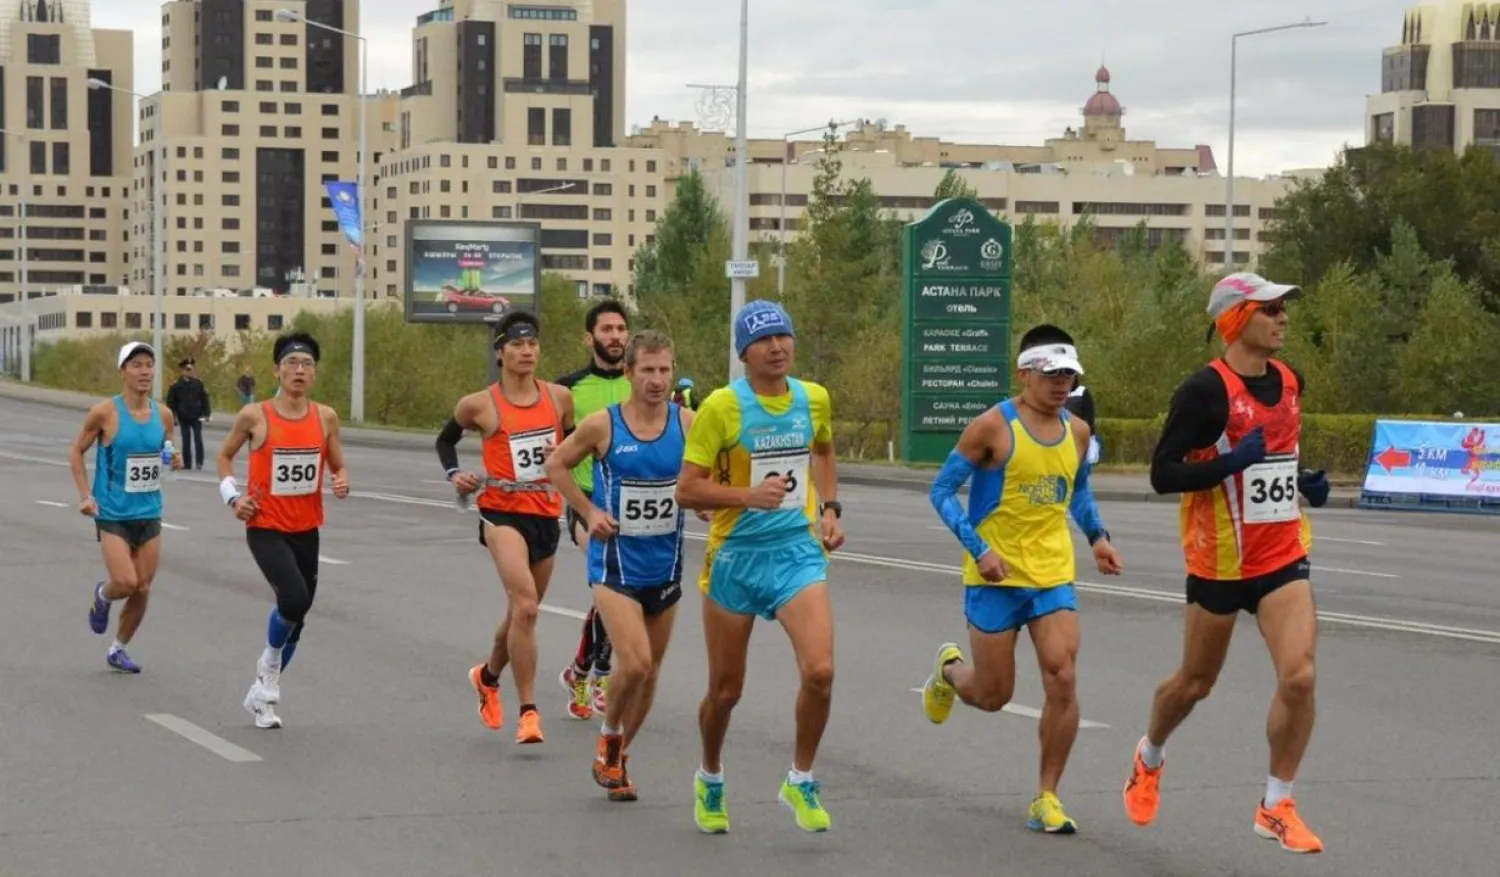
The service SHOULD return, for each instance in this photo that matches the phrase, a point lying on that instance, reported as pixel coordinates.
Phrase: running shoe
(577, 686)
(805, 801)
(601, 694)
(99, 610)
(529, 727)
(609, 771)
(121, 661)
(710, 811)
(1283, 824)
(489, 699)
(626, 790)
(269, 680)
(937, 694)
(1047, 815)
(265, 713)
(1143, 789)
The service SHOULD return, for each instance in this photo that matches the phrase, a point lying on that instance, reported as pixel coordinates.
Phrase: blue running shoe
(99, 610)
(121, 661)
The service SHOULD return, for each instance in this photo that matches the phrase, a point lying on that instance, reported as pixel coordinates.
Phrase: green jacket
(593, 389)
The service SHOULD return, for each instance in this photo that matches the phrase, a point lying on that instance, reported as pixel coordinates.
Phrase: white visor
(1050, 358)
(130, 348)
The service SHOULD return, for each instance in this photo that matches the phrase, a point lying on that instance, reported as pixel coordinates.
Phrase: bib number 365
(1271, 492)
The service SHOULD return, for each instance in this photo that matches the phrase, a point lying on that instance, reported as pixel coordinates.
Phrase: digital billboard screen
(470, 272)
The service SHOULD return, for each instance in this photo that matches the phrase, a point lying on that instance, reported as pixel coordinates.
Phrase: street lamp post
(785, 160)
(1234, 43)
(25, 305)
(158, 223)
(357, 379)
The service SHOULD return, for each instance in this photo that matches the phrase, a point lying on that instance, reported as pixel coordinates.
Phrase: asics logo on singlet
(1044, 490)
(627, 449)
(778, 442)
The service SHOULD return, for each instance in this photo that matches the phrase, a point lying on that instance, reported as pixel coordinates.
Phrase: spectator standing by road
(1081, 405)
(188, 399)
(246, 386)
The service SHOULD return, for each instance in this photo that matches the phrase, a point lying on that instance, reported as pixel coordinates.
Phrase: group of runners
(607, 453)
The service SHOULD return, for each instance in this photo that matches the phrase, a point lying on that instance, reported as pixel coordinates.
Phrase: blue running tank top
(778, 444)
(127, 471)
(636, 483)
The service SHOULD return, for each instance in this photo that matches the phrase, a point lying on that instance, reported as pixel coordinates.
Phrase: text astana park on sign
(956, 282)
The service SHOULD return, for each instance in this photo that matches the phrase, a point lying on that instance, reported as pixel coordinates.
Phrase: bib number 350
(1271, 492)
(295, 474)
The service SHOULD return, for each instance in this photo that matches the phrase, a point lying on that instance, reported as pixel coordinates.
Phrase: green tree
(953, 186)
(690, 222)
(1443, 368)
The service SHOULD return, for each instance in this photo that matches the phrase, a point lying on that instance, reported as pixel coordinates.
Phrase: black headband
(515, 332)
(296, 347)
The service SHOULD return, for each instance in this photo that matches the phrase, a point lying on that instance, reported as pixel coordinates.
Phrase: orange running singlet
(286, 472)
(1251, 523)
(515, 457)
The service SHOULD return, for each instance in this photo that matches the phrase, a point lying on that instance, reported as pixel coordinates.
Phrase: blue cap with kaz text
(760, 319)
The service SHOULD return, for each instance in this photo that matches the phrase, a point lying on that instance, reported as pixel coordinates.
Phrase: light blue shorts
(992, 609)
(758, 578)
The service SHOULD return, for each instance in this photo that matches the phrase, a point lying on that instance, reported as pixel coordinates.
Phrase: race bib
(648, 508)
(528, 453)
(142, 473)
(793, 465)
(1271, 491)
(294, 471)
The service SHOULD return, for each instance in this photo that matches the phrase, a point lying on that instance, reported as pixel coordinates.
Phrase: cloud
(1014, 72)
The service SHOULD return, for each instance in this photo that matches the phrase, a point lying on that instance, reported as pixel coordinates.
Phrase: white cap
(1050, 358)
(1245, 286)
(130, 348)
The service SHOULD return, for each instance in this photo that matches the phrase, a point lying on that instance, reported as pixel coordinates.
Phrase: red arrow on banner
(1390, 458)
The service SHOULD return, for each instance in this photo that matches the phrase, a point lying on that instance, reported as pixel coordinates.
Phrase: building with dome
(1440, 85)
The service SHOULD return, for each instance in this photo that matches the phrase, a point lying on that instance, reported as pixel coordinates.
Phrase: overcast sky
(986, 71)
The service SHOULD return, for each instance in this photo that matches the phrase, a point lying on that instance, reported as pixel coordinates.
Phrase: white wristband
(229, 491)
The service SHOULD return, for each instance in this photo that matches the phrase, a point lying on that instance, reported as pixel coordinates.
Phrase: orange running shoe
(529, 727)
(490, 711)
(626, 790)
(1142, 790)
(1282, 823)
(609, 769)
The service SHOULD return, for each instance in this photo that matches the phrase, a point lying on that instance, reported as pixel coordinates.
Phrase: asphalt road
(384, 769)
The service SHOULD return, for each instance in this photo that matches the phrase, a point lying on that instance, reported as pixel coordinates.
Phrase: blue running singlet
(127, 471)
(636, 483)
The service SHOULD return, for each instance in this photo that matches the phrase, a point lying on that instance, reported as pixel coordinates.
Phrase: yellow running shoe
(709, 809)
(937, 694)
(1047, 815)
(805, 802)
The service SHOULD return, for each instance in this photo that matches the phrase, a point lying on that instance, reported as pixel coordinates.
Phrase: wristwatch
(834, 506)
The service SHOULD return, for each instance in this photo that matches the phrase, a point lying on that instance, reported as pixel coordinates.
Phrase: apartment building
(257, 111)
(65, 150)
(1094, 170)
(1440, 87)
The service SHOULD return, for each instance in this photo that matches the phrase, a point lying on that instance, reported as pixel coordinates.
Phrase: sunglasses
(1273, 308)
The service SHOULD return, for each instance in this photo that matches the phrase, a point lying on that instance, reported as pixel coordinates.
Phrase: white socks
(1151, 754)
(711, 777)
(797, 777)
(116, 647)
(607, 731)
(271, 658)
(1276, 791)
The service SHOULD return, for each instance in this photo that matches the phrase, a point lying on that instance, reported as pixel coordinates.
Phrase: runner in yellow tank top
(1027, 459)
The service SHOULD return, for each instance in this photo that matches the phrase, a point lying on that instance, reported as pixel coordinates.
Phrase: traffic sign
(748, 269)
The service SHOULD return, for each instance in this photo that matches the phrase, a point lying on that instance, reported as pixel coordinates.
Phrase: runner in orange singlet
(1230, 446)
(291, 440)
(521, 420)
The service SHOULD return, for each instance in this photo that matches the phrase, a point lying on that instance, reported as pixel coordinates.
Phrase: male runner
(1028, 459)
(1230, 447)
(125, 497)
(292, 439)
(521, 420)
(635, 538)
(754, 448)
(595, 387)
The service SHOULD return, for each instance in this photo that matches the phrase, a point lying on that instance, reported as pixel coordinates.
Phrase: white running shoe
(264, 712)
(268, 680)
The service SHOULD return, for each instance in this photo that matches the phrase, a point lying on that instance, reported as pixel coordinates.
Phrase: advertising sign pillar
(956, 280)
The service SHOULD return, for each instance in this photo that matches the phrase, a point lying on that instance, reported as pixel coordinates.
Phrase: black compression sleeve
(447, 446)
(1198, 416)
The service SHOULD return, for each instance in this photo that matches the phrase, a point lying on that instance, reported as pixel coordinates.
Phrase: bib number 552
(650, 509)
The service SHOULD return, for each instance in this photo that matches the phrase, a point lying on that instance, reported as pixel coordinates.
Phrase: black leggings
(289, 561)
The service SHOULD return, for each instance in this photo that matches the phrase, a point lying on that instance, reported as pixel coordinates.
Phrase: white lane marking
(30, 459)
(1357, 572)
(332, 560)
(168, 526)
(564, 611)
(1031, 712)
(1350, 541)
(56, 505)
(213, 743)
(1366, 621)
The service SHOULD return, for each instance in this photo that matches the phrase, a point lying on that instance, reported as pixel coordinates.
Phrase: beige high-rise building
(1440, 87)
(65, 150)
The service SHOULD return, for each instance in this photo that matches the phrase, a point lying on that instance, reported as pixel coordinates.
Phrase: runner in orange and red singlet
(1230, 446)
(291, 440)
(521, 420)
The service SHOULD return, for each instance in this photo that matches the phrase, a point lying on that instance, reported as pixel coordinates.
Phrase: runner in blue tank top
(124, 497)
(635, 538)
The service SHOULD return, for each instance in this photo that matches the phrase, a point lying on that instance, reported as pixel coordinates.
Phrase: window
(59, 103)
(34, 100)
(603, 240)
(269, 106)
(43, 48)
(108, 319)
(268, 130)
(182, 321)
(84, 319)
(38, 159)
(264, 85)
(292, 109)
(330, 109)
(536, 127)
(230, 153)
(287, 63)
(330, 156)
(288, 39)
(263, 39)
(531, 56)
(60, 164)
(330, 133)
(263, 62)
(604, 189)
(229, 130)
(557, 56)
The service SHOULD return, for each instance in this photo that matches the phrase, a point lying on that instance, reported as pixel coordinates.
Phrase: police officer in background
(1080, 404)
(189, 402)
